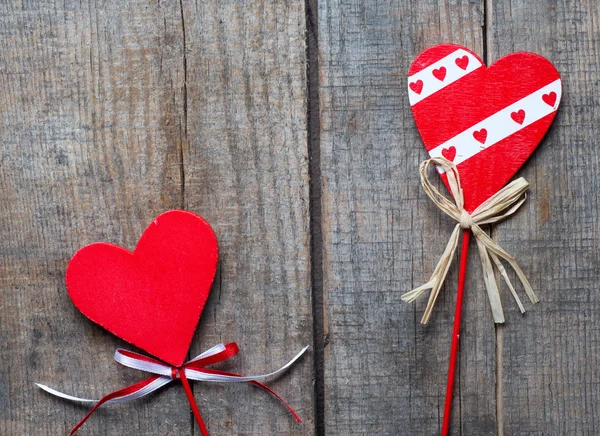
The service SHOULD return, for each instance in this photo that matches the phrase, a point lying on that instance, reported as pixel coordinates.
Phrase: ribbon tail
(411, 296)
(218, 372)
(64, 396)
(215, 375)
(272, 392)
(490, 281)
(199, 373)
(526, 285)
(132, 392)
(192, 401)
(440, 271)
(504, 275)
(445, 262)
(500, 252)
(129, 393)
(437, 278)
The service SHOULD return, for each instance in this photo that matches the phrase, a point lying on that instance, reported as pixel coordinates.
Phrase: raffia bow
(498, 207)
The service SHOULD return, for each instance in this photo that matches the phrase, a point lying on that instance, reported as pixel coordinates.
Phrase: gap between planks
(313, 126)
(499, 337)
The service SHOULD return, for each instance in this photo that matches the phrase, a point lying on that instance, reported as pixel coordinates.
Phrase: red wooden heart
(494, 117)
(151, 297)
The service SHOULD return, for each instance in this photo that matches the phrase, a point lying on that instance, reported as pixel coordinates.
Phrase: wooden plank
(91, 109)
(246, 170)
(550, 359)
(384, 372)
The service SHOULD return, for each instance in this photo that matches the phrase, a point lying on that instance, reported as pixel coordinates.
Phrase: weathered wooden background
(287, 125)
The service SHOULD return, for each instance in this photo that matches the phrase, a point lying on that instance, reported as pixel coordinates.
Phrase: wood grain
(549, 359)
(246, 170)
(384, 372)
(110, 114)
(90, 103)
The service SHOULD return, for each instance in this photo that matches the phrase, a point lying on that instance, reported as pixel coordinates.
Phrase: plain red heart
(417, 86)
(449, 153)
(453, 107)
(440, 73)
(151, 297)
(518, 116)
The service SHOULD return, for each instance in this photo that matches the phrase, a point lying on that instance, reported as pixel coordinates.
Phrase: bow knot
(496, 208)
(466, 221)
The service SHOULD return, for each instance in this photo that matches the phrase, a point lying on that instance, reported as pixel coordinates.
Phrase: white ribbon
(165, 372)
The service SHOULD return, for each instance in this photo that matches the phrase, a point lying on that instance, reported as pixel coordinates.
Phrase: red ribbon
(197, 365)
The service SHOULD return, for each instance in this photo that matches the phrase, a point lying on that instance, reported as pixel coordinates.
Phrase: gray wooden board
(542, 367)
(549, 360)
(110, 114)
(246, 170)
(384, 372)
(86, 156)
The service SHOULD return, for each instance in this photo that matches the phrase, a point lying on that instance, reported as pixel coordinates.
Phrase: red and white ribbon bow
(165, 374)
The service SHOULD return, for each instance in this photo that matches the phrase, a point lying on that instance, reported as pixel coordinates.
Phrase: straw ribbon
(498, 207)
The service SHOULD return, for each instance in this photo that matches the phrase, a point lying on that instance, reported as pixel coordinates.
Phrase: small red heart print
(417, 86)
(549, 99)
(453, 112)
(463, 62)
(480, 135)
(518, 117)
(440, 73)
(449, 153)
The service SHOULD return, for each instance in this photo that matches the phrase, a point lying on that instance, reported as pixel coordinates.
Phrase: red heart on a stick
(481, 112)
(151, 297)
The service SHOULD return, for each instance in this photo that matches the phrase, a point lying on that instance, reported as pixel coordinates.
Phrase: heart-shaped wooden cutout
(489, 120)
(151, 297)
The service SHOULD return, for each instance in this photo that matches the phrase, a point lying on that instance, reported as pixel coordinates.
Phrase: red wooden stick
(462, 272)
